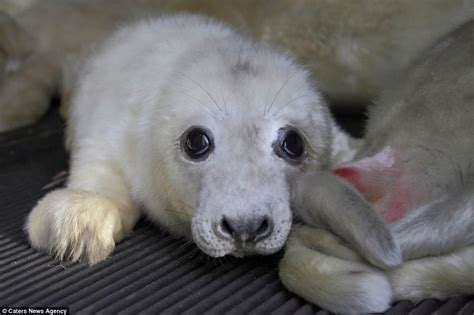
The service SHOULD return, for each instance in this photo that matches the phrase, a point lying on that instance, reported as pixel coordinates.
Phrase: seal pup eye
(290, 145)
(197, 142)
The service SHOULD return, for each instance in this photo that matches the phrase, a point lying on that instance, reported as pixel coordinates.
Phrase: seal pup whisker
(205, 90)
(265, 110)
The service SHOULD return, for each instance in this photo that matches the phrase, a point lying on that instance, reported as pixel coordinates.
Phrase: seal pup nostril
(264, 229)
(224, 229)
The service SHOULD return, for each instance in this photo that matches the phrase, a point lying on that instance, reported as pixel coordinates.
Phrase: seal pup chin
(201, 127)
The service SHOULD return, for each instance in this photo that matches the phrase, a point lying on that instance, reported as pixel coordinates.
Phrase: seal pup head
(241, 122)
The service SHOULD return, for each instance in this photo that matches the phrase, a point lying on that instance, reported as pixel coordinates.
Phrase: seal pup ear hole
(289, 145)
(197, 143)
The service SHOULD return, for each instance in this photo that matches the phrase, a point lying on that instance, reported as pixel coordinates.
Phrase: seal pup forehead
(245, 81)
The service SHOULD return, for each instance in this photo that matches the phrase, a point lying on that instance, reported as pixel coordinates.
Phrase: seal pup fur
(201, 126)
(415, 169)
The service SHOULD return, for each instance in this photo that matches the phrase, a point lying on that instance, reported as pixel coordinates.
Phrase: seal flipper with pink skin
(421, 229)
(380, 179)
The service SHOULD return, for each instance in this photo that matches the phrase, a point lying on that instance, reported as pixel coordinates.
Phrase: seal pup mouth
(218, 245)
(243, 253)
(244, 248)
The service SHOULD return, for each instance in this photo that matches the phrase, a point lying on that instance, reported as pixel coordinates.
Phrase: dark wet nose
(245, 231)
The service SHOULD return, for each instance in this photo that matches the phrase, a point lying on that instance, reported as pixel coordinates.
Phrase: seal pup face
(242, 124)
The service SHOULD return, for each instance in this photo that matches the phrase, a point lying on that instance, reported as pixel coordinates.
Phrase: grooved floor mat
(149, 272)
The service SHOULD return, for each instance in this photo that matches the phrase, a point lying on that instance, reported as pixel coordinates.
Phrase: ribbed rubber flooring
(150, 272)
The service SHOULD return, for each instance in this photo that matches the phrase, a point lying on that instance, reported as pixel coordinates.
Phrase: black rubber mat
(150, 272)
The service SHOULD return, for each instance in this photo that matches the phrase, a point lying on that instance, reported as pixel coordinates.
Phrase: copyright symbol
(4, 310)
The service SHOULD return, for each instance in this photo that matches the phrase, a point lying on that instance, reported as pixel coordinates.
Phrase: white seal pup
(201, 126)
(416, 170)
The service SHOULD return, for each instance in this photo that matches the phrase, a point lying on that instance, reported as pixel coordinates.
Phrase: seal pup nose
(245, 231)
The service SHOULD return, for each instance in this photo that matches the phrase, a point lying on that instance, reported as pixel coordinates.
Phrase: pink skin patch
(399, 201)
(352, 175)
(381, 183)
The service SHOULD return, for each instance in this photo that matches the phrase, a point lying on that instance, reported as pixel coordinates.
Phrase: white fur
(435, 277)
(322, 269)
(74, 224)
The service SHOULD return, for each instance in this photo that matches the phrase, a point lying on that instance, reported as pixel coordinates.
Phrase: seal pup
(416, 170)
(199, 126)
